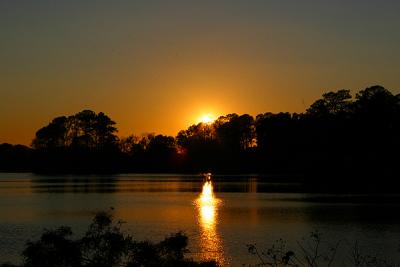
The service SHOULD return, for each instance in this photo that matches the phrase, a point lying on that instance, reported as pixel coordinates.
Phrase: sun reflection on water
(210, 243)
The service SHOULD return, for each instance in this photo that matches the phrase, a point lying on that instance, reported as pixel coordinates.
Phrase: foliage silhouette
(105, 245)
(15, 158)
(313, 251)
(337, 136)
(332, 103)
(85, 129)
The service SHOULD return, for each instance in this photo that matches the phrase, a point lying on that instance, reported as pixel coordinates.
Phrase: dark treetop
(338, 135)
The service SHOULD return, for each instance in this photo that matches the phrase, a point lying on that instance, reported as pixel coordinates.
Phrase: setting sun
(207, 118)
(224, 133)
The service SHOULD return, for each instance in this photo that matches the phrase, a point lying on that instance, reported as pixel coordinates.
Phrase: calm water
(220, 217)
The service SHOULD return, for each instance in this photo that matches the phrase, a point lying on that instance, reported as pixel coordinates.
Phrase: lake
(220, 217)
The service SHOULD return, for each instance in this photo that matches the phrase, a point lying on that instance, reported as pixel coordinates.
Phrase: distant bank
(339, 141)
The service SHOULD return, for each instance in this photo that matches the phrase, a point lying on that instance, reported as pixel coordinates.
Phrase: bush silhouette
(105, 245)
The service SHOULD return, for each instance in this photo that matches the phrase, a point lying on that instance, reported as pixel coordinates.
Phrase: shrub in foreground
(315, 252)
(105, 245)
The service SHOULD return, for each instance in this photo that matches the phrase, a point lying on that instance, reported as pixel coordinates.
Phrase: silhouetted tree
(128, 145)
(336, 135)
(274, 131)
(280, 142)
(85, 129)
(332, 103)
(376, 126)
(84, 142)
(377, 104)
(161, 145)
(14, 158)
(234, 132)
(200, 146)
(53, 135)
(197, 137)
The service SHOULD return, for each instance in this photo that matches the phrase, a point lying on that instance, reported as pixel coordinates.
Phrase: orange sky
(157, 66)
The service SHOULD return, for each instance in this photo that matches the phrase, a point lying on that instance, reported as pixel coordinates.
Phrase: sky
(158, 66)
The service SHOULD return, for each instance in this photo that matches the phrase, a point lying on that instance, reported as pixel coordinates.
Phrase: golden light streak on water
(210, 242)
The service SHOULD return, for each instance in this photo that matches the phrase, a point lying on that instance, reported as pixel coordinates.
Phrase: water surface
(220, 217)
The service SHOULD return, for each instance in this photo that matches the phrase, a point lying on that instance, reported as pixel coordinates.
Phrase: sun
(207, 118)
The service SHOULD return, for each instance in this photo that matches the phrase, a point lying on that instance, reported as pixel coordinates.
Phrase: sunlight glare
(207, 205)
(207, 119)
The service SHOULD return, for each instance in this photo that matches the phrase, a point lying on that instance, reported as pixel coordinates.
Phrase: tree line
(337, 133)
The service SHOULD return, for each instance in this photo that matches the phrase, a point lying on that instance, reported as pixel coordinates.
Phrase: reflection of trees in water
(75, 185)
(146, 183)
(210, 242)
(113, 184)
(234, 183)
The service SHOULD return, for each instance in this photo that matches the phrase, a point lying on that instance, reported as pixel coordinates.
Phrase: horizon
(159, 67)
(206, 118)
